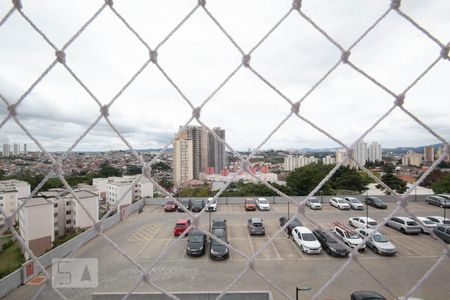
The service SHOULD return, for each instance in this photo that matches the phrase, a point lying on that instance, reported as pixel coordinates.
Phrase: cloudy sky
(198, 57)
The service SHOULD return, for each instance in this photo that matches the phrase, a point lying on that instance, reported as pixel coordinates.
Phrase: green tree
(442, 185)
(303, 180)
(107, 170)
(394, 182)
(133, 170)
(433, 177)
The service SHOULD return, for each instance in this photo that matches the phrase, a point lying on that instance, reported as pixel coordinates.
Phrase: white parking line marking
(411, 249)
(250, 241)
(273, 246)
(297, 248)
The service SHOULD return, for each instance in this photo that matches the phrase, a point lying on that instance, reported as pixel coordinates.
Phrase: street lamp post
(297, 289)
(288, 209)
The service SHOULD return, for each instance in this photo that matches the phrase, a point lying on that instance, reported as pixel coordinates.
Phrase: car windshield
(250, 201)
(219, 223)
(446, 222)
(308, 237)
(354, 200)
(411, 223)
(352, 235)
(295, 223)
(215, 242)
(170, 202)
(340, 201)
(373, 223)
(378, 200)
(257, 224)
(427, 222)
(197, 203)
(180, 225)
(380, 238)
(196, 239)
(263, 201)
(313, 200)
(330, 238)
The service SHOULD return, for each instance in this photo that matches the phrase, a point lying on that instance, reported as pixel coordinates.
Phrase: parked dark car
(329, 242)
(219, 223)
(255, 226)
(438, 201)
(196, 243)
(170, 206)
(197, 205)
(186, 203)
(366, 295)
(292, 225)
(443, 232)
(376, 202)
(217, 249)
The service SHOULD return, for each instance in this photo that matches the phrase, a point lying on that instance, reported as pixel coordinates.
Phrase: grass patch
(11, 259)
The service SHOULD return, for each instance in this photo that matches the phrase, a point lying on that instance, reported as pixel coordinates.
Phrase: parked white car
(362, 222)
(306, 240)
(262, 204)
(428, 223)
(439, 220)
(379, 243)
(339, 203)
(313, 203)
(350, 237)
(211, 205)
(354, 203)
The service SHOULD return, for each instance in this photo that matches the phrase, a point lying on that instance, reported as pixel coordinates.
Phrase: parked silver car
(354, 203)
(379, 243)
(404, 224)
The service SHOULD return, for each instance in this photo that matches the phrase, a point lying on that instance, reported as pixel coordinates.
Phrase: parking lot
(145, 236)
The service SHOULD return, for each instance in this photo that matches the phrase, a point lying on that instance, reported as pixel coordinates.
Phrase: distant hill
(401, 150)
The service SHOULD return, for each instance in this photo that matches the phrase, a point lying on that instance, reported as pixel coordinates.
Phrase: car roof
(182, 221)
(403, 218)
(196, 232)
(256, 220)
(441, 218)
(303, 229)
(364, 218)
(368, 230)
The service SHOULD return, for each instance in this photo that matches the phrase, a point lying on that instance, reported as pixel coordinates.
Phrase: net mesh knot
(395, 4)
(147, 171)
(98, 227)
(12, 110)
(295, 107)
(344, 56)
(202, 2)
(297, 4)
(196, 112)
(445, 52)
(109, 2)
(57, 167)
(60, 56)
(400, 100)
(246, 60)
(17, 4)
(104, 110)
(154, 56)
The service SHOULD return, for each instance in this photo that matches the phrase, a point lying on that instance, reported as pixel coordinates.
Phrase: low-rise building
(8, 203)
(122, 191)
(36, 225)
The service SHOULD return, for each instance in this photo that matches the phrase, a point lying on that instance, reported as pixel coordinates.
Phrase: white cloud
(198, 57)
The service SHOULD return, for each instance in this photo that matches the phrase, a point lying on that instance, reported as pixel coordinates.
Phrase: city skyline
(345, 104)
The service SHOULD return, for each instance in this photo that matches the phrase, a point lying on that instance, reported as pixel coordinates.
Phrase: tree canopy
(442, 185)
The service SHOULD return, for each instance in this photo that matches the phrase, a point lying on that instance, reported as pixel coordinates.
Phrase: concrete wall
(249, 295)
(283, 200)
(10, 282)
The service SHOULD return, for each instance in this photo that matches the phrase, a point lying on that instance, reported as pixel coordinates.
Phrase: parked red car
(181, 226)
(170, 206)
(250, 204)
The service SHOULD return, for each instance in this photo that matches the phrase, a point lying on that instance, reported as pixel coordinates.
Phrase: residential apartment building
(68, 213)
(36, 225)
(183, 160)
(374, 152)
(217, 156)
(340, 154)
(441, 152)
(11, 191)
(360, 153)
(6, 150)
(8, 203)
(16, 149)
(199, 137)
(412, 159)
(328, 160)
(293, 162)
(428, 154)
(122, 191)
